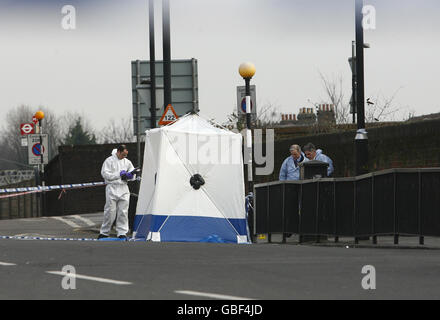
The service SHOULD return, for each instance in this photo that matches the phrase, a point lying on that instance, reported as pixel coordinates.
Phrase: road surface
(33, 269)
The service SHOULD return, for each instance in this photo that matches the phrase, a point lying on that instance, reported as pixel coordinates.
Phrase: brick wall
(404, 145)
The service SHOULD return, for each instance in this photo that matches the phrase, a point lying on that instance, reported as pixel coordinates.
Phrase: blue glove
(129, 175)
(123, 174)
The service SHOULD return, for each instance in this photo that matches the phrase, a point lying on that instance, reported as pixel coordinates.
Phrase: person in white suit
(116, 171)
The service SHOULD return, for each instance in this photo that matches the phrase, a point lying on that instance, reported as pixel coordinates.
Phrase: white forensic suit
(117, 194)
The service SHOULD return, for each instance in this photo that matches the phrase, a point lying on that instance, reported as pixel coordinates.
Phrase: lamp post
(39, 115)
(361, 139)
(247, 71)
(352, 62)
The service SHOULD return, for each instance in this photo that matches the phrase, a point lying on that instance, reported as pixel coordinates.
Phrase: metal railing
(390, 202)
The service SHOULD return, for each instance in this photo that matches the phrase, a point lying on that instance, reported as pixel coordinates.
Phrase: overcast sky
(289, 41)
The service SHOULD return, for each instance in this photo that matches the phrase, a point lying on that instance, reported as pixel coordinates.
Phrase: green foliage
(77, 135)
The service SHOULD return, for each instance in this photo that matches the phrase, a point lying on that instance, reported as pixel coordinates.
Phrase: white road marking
(79, 276)
(88, 222)
(6, 264)
(210, 295)
(70, 223)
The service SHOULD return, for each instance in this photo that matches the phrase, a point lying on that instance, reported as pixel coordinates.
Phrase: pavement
(382, 242)
(73, 226)
(42, 269)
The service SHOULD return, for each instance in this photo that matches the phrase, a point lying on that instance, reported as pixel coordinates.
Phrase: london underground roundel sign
(27, 128)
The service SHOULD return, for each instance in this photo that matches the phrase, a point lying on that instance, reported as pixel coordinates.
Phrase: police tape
(46, 238)
(14, 192)
(68, 239)
(50, 188)
(17, 194)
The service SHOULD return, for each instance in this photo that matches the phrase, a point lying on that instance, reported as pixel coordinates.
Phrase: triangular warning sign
(169, 116)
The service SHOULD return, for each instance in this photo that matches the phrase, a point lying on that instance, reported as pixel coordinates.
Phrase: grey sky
(289, 41)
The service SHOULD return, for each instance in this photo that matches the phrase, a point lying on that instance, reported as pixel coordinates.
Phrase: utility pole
(166, 52)
(152, 64)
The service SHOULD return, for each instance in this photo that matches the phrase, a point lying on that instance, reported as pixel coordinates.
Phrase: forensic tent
(192, 186)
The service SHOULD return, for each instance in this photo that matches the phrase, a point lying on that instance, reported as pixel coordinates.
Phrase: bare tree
(117, 132)
(334, 90)
(381, 108)
(268, 116)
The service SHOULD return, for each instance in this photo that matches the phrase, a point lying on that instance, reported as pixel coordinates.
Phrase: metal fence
(21, 206)
(390, 202)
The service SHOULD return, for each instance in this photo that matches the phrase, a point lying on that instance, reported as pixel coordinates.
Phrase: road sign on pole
(169, 116)
(35, 149)
(27, 128)
(241, 101)
(24, 141)
(184, 90)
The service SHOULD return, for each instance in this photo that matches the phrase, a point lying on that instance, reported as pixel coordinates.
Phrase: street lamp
(39, 115)
(361, 138)
(247, 71)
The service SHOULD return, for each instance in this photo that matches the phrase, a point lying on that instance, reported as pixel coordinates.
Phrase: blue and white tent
(192, 185)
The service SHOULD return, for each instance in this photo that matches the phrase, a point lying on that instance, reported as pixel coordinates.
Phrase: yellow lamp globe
(39, 115)
(247, 70)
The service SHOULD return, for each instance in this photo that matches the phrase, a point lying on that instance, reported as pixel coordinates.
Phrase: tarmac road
(30, 269)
